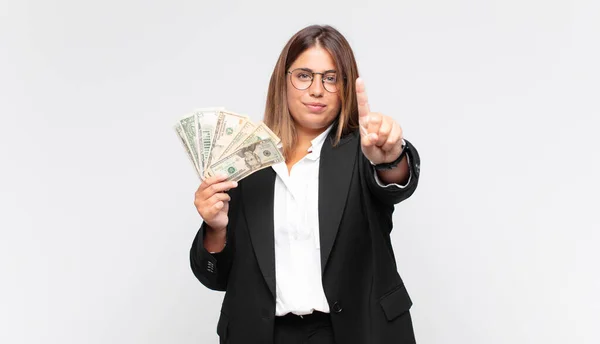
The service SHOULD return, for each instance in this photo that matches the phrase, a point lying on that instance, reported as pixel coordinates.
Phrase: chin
(314, 121)
(317, 125)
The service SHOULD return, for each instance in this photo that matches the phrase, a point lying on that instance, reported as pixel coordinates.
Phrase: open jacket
(367, 298)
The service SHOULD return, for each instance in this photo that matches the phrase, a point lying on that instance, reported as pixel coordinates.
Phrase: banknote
(217, 140)
(186, 146)
(262, 132)
(247, 160)
(242, 134)
(206, 122)
(188, 124)
(227, 127)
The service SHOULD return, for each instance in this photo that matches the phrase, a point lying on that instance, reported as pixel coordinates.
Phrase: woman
(302, 249)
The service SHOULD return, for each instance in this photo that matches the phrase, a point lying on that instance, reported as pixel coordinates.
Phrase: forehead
(315, 58)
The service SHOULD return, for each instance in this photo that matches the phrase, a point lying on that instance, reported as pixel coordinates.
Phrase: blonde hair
(277, 115)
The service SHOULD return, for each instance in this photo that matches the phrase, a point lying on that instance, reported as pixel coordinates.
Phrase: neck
(304, 138)
(306, 135)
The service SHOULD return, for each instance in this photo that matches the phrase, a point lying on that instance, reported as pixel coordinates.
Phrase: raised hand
(381, 136)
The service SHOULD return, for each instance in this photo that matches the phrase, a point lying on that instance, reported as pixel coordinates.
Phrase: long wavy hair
(277, 114)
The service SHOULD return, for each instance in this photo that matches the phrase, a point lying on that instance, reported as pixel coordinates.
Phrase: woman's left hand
(380, 135)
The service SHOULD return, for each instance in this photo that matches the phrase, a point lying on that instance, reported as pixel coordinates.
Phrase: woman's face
(314, 108)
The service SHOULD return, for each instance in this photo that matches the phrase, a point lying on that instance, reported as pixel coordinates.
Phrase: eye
(303, 76)
(330, 78)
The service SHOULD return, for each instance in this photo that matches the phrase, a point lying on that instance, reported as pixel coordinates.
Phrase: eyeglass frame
(308, 70)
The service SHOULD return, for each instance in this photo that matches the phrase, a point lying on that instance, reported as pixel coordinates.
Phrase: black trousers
(308, 329)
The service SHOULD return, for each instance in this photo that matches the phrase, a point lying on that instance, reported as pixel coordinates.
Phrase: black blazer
(367, 298)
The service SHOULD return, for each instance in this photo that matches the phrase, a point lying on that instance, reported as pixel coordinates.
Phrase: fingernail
(235, 184)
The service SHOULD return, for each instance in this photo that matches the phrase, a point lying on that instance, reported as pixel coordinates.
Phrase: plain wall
(499, 244)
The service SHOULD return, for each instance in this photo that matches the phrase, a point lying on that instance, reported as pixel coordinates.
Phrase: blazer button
(336, 307)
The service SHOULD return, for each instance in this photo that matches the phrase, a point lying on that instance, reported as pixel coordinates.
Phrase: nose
(317, 89)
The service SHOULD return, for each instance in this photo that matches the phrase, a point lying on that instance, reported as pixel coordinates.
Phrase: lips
(315, 107)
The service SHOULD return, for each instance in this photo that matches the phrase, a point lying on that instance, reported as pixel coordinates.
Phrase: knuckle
(201, 196)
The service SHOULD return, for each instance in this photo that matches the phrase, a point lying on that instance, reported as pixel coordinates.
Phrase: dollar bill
(262, 132)
(198, 144)
(242, 134)
(227, 127)
(217, 140)
(206, 121)
(186, 146)
(247, 160)
(188, 124)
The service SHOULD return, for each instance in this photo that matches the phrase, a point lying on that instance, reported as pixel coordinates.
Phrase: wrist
(386, 166)
(216, 232)
(215, 239)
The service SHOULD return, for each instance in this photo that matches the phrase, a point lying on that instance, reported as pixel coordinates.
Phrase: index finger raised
(361, 96)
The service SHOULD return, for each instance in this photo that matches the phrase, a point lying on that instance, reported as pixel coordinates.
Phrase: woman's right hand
(212, 202)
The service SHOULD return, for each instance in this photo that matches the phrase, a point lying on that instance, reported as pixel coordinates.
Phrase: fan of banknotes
(221, 142)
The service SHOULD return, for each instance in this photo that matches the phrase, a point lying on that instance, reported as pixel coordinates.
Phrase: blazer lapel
(335, 172)
(258, 205)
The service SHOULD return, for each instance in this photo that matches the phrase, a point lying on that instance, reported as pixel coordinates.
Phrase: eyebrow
(310, 70)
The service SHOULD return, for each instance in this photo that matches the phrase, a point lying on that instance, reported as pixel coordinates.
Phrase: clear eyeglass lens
(302, 80)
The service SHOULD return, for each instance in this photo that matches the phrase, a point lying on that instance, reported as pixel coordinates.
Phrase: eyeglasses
(302, 78)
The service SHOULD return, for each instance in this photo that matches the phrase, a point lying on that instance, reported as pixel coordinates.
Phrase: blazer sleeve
(212, 269)
(393, 194)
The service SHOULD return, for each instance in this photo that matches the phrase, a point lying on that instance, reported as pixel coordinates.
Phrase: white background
(498, 245)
